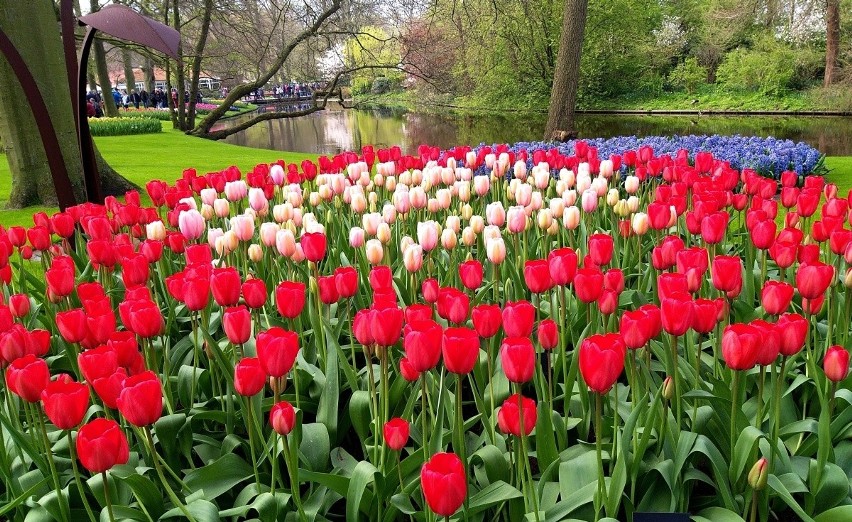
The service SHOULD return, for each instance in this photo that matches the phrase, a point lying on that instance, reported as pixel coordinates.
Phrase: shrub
(688, 75)
(769, 68)
(124, 126)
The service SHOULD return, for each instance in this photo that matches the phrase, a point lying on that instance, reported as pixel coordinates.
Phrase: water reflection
(337, 129)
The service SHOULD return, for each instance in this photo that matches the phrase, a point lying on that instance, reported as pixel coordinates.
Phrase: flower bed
(124, 126)
(376, 336)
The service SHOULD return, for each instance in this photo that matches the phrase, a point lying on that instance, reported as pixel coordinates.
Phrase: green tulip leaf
(363, 475)
(491, 495)
(220, 476)
(200, 509)
(716, 514)
(836, 514)
(788, 499)
(743, 450)
(315, 446)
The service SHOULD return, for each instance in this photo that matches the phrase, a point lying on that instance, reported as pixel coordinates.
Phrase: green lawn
(165, 155)
(156, 156)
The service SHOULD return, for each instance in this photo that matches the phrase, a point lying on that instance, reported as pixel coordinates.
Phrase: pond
(337, 129)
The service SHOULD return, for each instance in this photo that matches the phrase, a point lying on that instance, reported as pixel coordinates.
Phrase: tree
(832, 39)
(29, 26)
(99, 56)
(566, 77)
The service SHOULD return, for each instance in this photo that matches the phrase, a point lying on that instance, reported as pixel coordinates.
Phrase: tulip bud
(633, 204)
(468, 236)
(255, 253)
(544, 218)
(631, 184)
(612, 197)
(640, 223)
(620, 208)
(847, 281)
(668, 388)
(155, 231)
(383, 233)
(404, 243)
(375, 252)
(571, 218)
(449, 240)
(467, 212)
(495, 250)
(759, 474)
(412, 258)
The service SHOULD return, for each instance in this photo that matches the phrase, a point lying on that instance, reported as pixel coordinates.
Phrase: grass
(165, 155)
(145, 157)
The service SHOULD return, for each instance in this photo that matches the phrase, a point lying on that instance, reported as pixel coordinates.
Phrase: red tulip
(65, 402)
(453, 305)
(101, 444)
(254, 293)
(314, 246)
(236, 322)
(72, 325)
(727, 274)
(614, 280)
(290, 298)
(109, 388)
(813, 306)
(396, 433)
(444, 483)
(600, 248)
(601, 361)
(98, 362)
(487, 319)
(19, 305)
(430, 289)
(669, 283)
(471, 273)
(763, 234)
(346, 281)
(705, 315)
(588, 284)
(793, 329)
(249, 376)
(381, 278)
(460, 348)
(713, 227)
(518, 318)
(141, 399)
(677, 313)
(740, 346)
(562, 264)
(509, 415)
(422, 344)
(608, 302)
(145, 319)
(659, 215)
(418, 312)
(282, 417)
(517, 356)
(770, 343)
(277, 350)
(134, 270)
(836, 363)
(225, 284)
(327, 289)
(60, 281)
(813, 279)
(407, 371)
(27, 377)
(361, 327)
(537, 276)
(776, 297)
(635, 328)
(386, 325)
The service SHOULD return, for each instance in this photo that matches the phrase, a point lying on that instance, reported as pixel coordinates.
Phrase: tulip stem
(383, 360)
(371, 381)
(423, 416)
(526, 463)
(63, 505)
(490, 345)
(601, 496)
(107, 496)
(776, 413)
(77, 479)
(758, 419)
(159, 469)
(292, 470)
(735, 396)
(250, 429)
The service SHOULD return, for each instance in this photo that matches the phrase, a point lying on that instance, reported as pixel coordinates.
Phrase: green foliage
(378, 53)
(688, 75)
(771, 68)
(124, 126)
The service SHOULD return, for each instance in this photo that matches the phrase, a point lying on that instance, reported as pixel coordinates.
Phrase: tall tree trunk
(198, 53)
(148, 70)
(832, 39)
(129, 76)
(566, 77)
(27, 25)
(99, 55)
(32, 28)
(180, 76)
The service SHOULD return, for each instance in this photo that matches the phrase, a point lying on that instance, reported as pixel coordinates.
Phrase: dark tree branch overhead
(203, 127)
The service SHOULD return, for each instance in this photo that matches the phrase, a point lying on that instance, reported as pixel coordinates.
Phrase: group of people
(137, 99)
(286, 90)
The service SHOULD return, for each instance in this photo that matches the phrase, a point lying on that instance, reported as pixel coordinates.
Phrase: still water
(337, 129)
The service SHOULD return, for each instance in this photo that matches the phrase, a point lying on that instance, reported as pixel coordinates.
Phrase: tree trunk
(27, 25)
(150, 81)
(99, 55)
(129, 76)
(566, 77)
(832, 39)
(195, 73)
(180, 76)
(33, 30)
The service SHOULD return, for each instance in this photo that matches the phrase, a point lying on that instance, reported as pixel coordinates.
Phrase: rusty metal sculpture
(115, 20)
